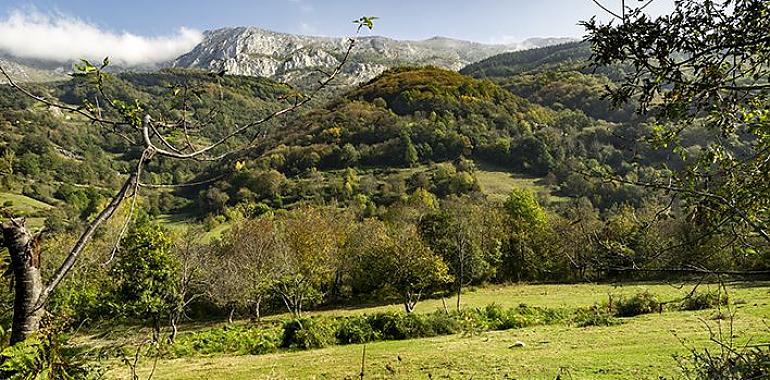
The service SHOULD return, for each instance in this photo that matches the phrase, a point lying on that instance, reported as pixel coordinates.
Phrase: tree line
(421, 246)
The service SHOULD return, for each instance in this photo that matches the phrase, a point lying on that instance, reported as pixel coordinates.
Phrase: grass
(23, 204)
(179, 223)
(497, 184)
(640, 348)
(549, 295)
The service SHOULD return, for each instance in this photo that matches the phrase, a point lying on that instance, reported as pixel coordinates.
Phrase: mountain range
(294, 59)
(297, 59)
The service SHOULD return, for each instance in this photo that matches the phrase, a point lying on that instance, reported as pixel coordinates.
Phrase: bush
(389, 325)
(353, 330)
(594, 316)
(704, 300)
(417, 326)
(521, 316)
(305, 333)
(226, 340)
(442, 323)
(642, 303)
(473, 321)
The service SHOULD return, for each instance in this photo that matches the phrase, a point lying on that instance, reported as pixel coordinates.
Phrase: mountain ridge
(297, 58)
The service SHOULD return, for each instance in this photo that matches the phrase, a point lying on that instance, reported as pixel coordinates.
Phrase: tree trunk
(410, 301)
(460, 281)
(459, 294)
(24, 250)
(175, 316)
(257, 309)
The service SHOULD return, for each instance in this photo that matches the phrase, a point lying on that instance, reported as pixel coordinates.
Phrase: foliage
(355, 330)
(704, 66)
(704, 300)
(394, 257)
(468, 245)
(46, 355)
(641, 303)
(306, 333)
(244, 265)
(524, 210)
(226, 340)
(527, 224)
(317, 332)
(596, 315)
(144, 273)
(308, 246)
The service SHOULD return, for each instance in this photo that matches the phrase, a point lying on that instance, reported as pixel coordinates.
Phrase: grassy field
(640, 348)
(497, 184)
(21, 205)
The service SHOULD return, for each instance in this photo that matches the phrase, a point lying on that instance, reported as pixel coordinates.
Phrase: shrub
(642, 303)
(530, 316)
(704, 300)
(521, 316)
(389, 325)
(305, 333)
(226, 340)
(594, 316)
(473, 321)
(353, 330)
(443, 324)
(317, 332)
(417, 326)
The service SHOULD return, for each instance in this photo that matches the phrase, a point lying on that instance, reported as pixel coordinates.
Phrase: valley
(242, 203)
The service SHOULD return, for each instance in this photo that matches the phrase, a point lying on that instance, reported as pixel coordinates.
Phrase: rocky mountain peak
(296, 59)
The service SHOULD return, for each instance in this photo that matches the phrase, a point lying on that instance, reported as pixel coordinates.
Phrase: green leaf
(367, 21)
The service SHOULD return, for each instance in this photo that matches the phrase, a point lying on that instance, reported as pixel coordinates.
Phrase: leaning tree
(146, 129)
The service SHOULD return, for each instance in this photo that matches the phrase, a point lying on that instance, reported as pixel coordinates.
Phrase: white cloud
(59, 37)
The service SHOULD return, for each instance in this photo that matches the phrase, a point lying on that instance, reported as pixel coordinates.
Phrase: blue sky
(145, 31)
(478, 20)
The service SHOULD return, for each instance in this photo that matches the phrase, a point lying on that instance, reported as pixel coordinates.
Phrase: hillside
(61, 159)
(431, 128)
(556, 76)
(440, 121)
(572, 54)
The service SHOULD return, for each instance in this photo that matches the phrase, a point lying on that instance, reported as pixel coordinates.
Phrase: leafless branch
(613, 14)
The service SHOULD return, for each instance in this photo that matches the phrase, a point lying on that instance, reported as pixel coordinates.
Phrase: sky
(142, 31)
